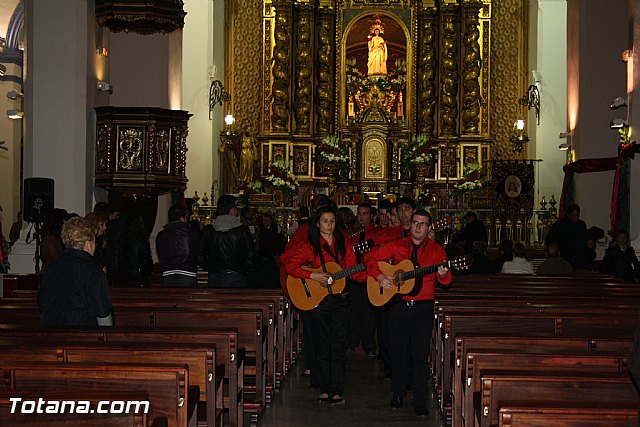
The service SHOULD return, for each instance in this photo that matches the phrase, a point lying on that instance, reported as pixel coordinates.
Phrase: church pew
(251, 335)
(268, 312)
(199, 357)
(505, 342)
(517, 323)
(249, 323)
(84, 401)
(14, 282)
(568, 414)
(165, 384)
(285, 327)
(503, 385)
(476, 361)
(225, 341)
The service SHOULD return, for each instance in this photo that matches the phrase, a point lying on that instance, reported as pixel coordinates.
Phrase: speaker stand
(36, 256)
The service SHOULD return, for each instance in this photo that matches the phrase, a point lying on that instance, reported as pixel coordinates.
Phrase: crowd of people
(239, 248)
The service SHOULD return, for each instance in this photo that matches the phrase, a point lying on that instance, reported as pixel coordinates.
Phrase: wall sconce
(217, 95)
(105, 87)
(14, 94)
(617, 123)
(567, 144)
(617, 103)
(15, 114)
(519, 138)
(532, 100)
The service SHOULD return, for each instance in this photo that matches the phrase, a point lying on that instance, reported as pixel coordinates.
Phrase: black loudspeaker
(38, 199)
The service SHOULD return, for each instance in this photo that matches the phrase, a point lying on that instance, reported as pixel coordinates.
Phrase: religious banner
(512, 188)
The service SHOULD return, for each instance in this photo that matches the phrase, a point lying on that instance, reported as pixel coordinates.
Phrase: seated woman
(519, 265)
(330, 320)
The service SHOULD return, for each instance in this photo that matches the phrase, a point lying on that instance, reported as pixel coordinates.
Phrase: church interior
(512, 109)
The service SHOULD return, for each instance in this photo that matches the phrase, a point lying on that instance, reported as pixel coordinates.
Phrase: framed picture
(447, 162)
(302, 160)
(470, 155)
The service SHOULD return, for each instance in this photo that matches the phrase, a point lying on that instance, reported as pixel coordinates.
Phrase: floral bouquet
(255, 187)
(473, 179)
(281, 177)
(332, 152)
(417, 152)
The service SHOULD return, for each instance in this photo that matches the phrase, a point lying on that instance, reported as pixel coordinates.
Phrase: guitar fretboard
(424, 270)
(348, 271)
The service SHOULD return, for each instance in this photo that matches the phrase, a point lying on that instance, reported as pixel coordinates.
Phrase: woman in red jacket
(329, 321)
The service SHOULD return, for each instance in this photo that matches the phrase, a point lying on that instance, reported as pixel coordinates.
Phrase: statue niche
(375, 67)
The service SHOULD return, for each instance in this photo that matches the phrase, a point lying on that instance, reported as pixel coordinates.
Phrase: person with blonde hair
(74, 290)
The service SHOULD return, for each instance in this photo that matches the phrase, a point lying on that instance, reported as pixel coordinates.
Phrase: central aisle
(367, 398)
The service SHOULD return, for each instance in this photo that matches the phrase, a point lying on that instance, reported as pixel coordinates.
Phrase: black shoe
(396, 401)
(421, 410)
(387, 376)
(371, 355)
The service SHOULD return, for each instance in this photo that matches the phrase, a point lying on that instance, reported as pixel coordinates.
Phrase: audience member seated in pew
(519, 265)
(74, 289)
(554, 265)
(506, 253)
(620, 259)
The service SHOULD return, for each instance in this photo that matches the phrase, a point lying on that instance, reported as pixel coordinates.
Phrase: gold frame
(309, 148)
(411, 35)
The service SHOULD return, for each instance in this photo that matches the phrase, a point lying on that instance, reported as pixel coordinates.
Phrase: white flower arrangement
(331, 151)
(469, 186)
(281, 177)
(255, 186)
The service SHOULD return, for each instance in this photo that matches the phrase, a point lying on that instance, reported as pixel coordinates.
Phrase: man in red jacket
(411, 317)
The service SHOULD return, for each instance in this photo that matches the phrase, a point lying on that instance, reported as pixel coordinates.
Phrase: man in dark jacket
(570, 234)
(176, 246)
(473, 231)
(226, 248)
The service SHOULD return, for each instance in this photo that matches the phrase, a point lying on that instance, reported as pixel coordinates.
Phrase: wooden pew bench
(80, 407)
(166, 385)
(506, 342)
(199, 357)
(251, 329)
(570, 414)
(225, 341)
(559, 323)
(478, 361)
(503, 385)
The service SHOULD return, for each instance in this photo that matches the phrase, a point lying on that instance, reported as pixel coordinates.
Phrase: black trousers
(329, 323)
(382, 329)
(362, 323)
(410, 329)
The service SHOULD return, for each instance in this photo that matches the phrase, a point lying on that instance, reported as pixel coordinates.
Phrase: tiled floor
(367, 398)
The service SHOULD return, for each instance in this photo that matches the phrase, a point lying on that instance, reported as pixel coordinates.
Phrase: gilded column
(303, 68)
(449, 74)
(280, 93)
(427, 69)
(325, 70)
(471, 69)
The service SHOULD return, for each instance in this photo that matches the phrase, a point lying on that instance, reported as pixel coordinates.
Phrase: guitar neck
(424, 270)
(348, 271)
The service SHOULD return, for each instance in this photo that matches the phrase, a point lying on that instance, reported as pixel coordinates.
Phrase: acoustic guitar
(404, 278)
(359, 248)
(307, 294)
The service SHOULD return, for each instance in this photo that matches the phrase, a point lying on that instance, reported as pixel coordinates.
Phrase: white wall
(203, 61)
(604, 34)
(549, 58)
(56, 99)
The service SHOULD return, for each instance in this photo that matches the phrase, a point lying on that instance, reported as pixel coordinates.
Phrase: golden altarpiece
(451, 70)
